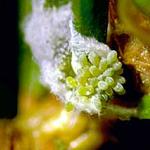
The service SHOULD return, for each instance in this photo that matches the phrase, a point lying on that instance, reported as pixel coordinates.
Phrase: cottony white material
(48, 34)
(51, 36)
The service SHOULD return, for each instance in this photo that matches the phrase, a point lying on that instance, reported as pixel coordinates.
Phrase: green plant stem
(118, 111)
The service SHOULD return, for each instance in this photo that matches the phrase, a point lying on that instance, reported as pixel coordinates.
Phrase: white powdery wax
(48, 34)
(51, 36)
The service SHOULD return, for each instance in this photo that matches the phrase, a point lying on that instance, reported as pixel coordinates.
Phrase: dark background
(8, 58)
(128, 135)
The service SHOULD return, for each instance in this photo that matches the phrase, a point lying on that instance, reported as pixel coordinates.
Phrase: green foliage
(144, 107)
(144, 5)
(55, 3)
(25, 7)
(91, 17)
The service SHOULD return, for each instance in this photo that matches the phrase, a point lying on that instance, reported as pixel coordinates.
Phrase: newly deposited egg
(96, 79)
(80, 70)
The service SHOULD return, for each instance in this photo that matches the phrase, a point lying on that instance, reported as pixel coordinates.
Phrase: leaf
(91, 18)
(144, 5)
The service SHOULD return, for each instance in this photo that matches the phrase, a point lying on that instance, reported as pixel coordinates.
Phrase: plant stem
(122, 112)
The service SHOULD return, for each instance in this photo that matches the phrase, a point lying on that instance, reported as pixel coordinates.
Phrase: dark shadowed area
(8, 59)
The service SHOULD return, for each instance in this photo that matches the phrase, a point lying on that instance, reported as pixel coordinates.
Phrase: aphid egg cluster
(97, 76)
